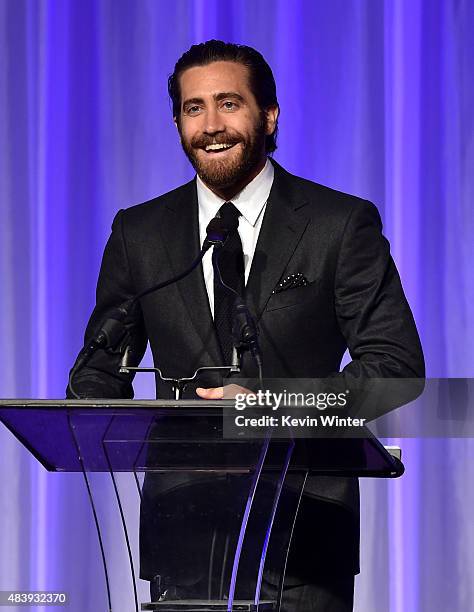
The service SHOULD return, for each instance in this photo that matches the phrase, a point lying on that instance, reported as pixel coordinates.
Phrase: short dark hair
(262, 82)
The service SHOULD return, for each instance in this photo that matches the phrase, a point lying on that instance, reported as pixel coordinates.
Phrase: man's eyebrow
(228, 94)
(193, 101)
(217, 97)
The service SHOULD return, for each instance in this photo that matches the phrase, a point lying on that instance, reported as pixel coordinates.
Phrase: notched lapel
(282, 229)
(180, 234)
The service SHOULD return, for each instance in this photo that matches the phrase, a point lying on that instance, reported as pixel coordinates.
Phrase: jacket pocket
(291, 297)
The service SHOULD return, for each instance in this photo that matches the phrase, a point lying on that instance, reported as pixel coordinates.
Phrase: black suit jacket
(354, 299)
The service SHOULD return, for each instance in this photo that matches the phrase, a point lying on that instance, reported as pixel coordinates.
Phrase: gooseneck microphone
(218, 231)
(109, 335)
(244, 329)
(113, 330)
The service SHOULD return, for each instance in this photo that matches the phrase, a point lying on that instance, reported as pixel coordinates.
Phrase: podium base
(202, 605)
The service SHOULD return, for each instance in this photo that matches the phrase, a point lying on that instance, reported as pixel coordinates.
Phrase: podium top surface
(55, 404)
(173, 436)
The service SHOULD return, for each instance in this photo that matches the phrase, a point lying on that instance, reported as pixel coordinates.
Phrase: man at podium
(310, 262)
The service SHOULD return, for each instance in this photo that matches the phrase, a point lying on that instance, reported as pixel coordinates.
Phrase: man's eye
(228, 105)
(192, 110)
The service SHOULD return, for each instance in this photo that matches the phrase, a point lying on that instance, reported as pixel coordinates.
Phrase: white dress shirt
(251, 203)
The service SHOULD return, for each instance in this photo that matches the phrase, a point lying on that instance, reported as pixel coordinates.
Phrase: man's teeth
(217, 147)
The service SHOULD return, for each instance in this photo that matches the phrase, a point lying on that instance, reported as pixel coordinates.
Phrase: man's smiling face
(222, 129)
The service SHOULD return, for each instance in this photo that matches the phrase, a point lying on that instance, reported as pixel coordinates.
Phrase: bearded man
(226, 111)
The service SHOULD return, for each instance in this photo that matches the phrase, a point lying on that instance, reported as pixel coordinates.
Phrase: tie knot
(228, 211)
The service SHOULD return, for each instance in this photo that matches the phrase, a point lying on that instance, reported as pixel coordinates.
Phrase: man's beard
(221, 174)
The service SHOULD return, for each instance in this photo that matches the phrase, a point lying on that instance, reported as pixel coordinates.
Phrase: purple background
(376, 99)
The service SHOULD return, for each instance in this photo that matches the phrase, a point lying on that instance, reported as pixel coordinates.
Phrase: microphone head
(219, 229)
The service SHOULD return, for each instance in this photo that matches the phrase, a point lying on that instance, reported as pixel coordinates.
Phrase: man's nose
(213, 121)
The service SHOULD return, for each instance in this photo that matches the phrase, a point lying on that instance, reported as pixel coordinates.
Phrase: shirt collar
(250, 201)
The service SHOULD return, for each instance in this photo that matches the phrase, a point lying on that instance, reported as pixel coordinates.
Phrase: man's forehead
(213, 79)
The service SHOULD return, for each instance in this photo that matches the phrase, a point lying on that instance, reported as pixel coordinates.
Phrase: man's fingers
(210, 393)
(227, 392)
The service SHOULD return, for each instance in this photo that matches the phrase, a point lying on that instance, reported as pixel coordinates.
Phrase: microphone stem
(215, 265)
(175, 279)
(255, 351)
(86, 354)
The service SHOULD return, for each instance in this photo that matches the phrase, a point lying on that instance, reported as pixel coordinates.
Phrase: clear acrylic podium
(216, 514)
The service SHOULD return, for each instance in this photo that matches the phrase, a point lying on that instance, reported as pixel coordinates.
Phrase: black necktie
(231, 266)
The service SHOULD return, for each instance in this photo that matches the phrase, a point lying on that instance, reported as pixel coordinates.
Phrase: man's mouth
(218, 148)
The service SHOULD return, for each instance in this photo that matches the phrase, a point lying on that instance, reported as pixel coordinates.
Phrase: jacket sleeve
(374, 315)
(100, 378)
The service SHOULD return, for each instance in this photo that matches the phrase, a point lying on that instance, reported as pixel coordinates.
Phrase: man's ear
(175, 121)
(271, 116)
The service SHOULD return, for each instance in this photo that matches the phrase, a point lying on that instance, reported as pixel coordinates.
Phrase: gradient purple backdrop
(376, 99)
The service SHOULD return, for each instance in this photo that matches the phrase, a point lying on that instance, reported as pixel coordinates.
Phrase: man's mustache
(204, 141)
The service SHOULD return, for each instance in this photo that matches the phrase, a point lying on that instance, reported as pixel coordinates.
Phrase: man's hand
(227, 392)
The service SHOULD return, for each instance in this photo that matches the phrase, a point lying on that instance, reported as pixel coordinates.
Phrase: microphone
(245, 332)
(218, 230)
(109, 335)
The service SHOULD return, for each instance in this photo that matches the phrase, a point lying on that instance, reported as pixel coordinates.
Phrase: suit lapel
(180, 234)
(283, 226)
